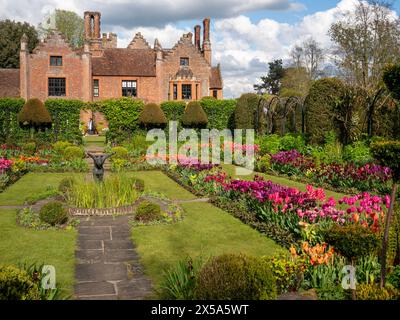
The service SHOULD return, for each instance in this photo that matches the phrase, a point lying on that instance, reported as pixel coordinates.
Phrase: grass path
(231, 170)
(205, 230)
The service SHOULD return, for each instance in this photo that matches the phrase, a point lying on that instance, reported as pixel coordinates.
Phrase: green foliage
(71, 25)
(391, 78)
(139, 184)
(374, 292)
(269, 144)
(245, 111)
(264, 163)
(173, 110)
(16, 284)
(291, 141)
(236, 277)
(352, 241)
(73, 153)
(152, 116)
(114, 191)
(220, 113)
(179, 281)
(9, 109)
(148, 211)
(35, 115)
(394, 277)
(66, 116)
(122, 116)
(29, 148)
(272, 82)
(320, 103)
(11, 33)
(332, 150)
(357, 152)
(53, 213)
(66, 184)
(120, 153)
(60, 146)
(194, 116)
(388, 154)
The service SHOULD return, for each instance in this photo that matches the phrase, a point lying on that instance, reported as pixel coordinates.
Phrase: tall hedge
(245, 111)
(122, 116)
(173, 110)
(9, 109)
(220, 113)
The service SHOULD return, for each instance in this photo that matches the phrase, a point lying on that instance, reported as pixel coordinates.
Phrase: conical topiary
(152, 116)
(194, 116)
(34, 115)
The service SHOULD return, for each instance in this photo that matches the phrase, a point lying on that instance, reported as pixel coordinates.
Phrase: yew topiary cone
(34, 115)
(194, 116)
(152, 116)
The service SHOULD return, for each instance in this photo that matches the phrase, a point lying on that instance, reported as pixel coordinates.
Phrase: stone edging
(102, 211)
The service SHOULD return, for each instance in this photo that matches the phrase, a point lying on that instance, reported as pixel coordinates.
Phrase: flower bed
(343, 177)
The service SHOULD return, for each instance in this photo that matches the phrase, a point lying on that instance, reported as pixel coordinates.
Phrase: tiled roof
(9, 83)
(215, 78)
(125, 62)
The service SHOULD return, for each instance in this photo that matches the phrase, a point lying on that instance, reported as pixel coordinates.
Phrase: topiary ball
(147, 212)
(16, 284)
(53, 213)
(194, 116)
(236, 277)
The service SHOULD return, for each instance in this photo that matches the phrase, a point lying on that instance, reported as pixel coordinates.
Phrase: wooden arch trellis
(273, 115)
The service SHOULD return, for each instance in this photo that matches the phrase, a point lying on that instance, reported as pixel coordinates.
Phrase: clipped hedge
(9, 109)
(220, 113)
(122, 116)
(245, 111)
(173, 110)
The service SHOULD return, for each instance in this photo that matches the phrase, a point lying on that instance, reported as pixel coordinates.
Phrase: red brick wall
(40, 70)
(111, 87)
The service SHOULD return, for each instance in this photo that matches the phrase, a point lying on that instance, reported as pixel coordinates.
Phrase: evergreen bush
(194, 116)
(152, 116)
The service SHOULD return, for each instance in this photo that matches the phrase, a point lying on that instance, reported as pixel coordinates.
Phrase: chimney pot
(197, 30)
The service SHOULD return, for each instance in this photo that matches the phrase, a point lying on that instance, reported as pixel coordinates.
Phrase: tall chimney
(206, 40)
(206, 31)
(197, 30)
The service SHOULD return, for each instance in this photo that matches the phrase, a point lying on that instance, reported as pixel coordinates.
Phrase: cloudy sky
(245, 34)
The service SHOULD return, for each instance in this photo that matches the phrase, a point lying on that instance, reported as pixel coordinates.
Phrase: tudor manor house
(100, 70)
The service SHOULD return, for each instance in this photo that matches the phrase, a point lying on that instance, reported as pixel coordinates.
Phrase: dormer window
(184, 61)
(55, 61)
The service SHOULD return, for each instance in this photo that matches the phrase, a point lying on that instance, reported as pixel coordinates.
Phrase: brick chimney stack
(92, 25)
(206, 40)
(197, 30)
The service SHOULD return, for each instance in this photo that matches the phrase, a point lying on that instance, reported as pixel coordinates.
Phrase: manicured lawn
(28, 185)
(159, 182)
(51, 247)
(19, 245)
(206, 230)
(230, 169)
(94, 141)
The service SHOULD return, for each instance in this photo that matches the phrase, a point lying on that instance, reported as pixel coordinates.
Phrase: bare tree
(313, 57)
(297, 55)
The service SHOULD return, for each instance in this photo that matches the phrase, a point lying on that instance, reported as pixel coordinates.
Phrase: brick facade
(160, 74)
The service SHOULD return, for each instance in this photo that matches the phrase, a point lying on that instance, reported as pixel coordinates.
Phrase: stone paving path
(107, 266)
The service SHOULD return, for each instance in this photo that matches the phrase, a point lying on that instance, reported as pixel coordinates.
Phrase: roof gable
(139, 42)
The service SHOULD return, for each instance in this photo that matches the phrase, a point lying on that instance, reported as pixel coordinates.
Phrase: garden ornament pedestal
(98, 161)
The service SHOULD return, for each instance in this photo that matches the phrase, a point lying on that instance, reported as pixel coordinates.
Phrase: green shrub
(16, 284)
(152, 116)
(357, 152)
(194, 116)
(173, 110)
(147, 212)
(120, 153)
(29, 148)
(73, 153)
(34, 115)
(394, 277)
(269, 144)
(245, 111)
(53, 213)
(374, 292)
(352, 241)
(60, 146)
(290, 141)
(388, 154)
(179, 282)
(66, 184)
(264, 163)
(236, 277)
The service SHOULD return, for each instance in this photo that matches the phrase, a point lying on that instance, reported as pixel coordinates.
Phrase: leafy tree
(11, 33)
(295, 82)
(68, 23)
(272, 82)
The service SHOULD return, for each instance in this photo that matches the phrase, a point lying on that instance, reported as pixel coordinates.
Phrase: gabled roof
(9, 83)
(139, 42)
(216, 78)
(125, 62)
